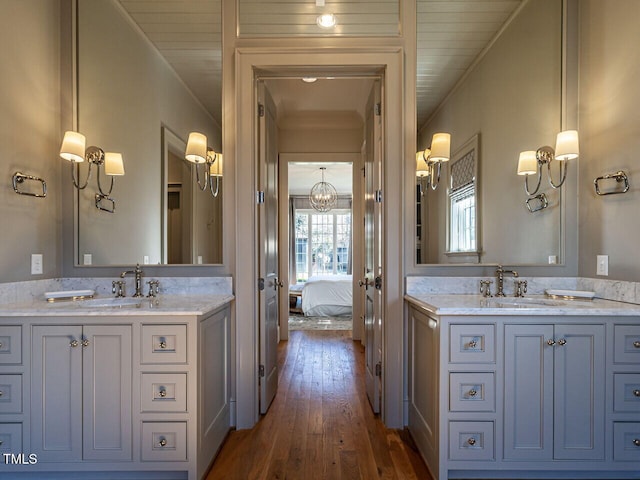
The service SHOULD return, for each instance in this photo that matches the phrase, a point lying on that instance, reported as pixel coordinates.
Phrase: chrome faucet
(138, 275)
(500, 275)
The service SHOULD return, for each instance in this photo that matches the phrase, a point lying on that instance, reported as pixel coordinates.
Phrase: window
(322, 242)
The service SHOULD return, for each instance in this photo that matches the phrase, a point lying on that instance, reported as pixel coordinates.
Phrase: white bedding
(327, 295)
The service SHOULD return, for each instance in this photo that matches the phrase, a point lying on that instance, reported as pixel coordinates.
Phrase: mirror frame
(568, 209)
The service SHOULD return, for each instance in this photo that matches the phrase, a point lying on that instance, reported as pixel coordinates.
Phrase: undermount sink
(119, 302)
(527, 302)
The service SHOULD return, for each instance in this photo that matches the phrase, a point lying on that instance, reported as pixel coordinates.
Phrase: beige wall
(609, 134)
(30, 136)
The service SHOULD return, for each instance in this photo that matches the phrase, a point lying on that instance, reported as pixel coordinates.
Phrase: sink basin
(527, 302)
(110, 303)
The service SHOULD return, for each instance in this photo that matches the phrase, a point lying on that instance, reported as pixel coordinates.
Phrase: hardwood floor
(320, 425)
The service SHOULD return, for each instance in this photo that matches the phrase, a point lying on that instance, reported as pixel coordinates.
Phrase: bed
(327, 295)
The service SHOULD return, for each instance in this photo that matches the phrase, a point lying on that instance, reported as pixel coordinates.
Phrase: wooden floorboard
(320, 425)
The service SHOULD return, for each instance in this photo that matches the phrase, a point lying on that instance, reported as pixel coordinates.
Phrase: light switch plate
(602, 265)
(36, 264)
(87, 259)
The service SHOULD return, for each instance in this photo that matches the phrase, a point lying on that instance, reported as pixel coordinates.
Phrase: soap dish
(69, 295)
(570, 294)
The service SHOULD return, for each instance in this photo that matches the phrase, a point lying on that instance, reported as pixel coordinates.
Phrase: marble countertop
(443, 304)
(108, 306)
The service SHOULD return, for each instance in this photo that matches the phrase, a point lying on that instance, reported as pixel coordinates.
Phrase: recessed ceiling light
(326, 20)
(309, 79)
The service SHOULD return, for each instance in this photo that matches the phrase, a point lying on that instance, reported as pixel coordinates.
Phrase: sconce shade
(567, 145)
(527, 163)
(215, 169)
(326, 20)
(196, 148)
(113, 164)
(422, 169)
(73, 146)
(441, 147)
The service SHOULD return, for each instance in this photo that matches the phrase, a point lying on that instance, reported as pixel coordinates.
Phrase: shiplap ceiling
(451, 34)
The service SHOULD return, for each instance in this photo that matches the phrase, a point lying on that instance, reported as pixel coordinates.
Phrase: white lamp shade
(567, 145)
(527, 163)
(422, 169)
(215, 169)
(196, 148)
(113, 164)
(441, 147)
(73, 146)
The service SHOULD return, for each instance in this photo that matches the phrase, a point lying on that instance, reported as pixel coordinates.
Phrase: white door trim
(389, 62)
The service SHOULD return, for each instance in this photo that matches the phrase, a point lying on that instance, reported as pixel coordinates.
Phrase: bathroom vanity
(129, 389)
(524, 388)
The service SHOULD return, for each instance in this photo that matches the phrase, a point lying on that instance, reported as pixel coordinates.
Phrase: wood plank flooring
(320, 425)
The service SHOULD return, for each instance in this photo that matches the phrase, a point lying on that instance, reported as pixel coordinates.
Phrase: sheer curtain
(293, 276)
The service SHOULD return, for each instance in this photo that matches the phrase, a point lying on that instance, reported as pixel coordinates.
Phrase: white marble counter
(530, 305)
(176, 304)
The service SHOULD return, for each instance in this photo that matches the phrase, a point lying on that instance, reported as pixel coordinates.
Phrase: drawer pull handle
(1, 393)
(73, 343)
(471, 441)
(473, 393)
(163, 345)
(636, 393)
(1, 442)
(162, 393)
(636, 344)
(636, 442)
(551, 342)
(562, 342)
(85, 343)
(473, 344)
(1, 344)
(163, 442)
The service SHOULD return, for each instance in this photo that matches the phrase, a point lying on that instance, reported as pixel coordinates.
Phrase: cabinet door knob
(163, 344)
(85, 343)
(636, 442)
(636, 393)
(551, 342)
(473, 344)
(473, 393)
(0, 344)
(1, 393)
(162, 393)
(471, 441)
(73, 343)
(636, 344)
(562, 342)
(163, 442)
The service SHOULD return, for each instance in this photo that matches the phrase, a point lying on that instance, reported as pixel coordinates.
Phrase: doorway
(252, 64)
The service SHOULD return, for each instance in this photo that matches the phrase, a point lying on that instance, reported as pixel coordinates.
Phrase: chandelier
(323, 196)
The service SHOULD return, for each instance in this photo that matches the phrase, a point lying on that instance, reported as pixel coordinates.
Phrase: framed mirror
(500, 82)
(148, 74)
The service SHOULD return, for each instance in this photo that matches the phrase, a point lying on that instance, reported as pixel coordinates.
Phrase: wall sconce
(198, 152)
(531, 162)
(73, 149)
(429, 161)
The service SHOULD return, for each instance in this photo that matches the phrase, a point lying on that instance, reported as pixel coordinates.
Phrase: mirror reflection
(501, 95)
(147, 78)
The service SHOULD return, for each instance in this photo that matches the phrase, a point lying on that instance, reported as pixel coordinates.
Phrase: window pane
(343, 228)
(302, 241)
(321, 244)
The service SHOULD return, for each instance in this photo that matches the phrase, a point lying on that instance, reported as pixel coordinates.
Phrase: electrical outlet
(145, 259)
(87, 259)
(36, 264)
(602, 265)
(199, 259)
(553, 259)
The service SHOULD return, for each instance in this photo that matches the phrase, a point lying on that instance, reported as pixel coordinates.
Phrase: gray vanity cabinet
(554, 392)
(81, 393)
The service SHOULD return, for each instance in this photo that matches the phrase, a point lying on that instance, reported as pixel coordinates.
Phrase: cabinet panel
(472, 344)
(164, 392)
(10, 344)
(107, 413)
(579, 392)
(10, 393)
(164, 441)
(626, 441)
(11, 438)
(472, 392)
(471, 441)
(164, 344)
(528, 383)
(56, 393)
(626, 345)
(626, 392)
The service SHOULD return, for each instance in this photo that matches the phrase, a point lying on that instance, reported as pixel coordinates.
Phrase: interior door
(372, 278)
(268, 284)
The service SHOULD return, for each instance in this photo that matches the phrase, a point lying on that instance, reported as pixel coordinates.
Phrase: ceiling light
(323, 196)
(326, 20)
(309, 79)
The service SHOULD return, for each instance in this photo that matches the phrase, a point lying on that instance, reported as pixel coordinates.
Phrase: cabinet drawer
(164, 392)
(472, 392)
(11, 438)
(164, 344)
(472, 344)
(10, 393)
(626, 392)
(626, 441)
(164, 441)
(471, 441)
(10, 344)
(626, 344)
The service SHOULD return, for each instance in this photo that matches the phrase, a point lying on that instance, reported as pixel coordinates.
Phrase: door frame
(251, 63)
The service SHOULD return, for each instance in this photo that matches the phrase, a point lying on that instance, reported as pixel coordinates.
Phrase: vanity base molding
(522, 396)
(114, 396)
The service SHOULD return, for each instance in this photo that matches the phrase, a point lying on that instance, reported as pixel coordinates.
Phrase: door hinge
(377, 283)
(378, 109)
(260, 110)
(378, 196)
(260, 197)
(261, 370)
(261, 284)
(379, 369)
